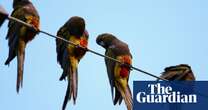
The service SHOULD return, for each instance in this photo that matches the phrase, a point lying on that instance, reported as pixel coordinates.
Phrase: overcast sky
(160, 33)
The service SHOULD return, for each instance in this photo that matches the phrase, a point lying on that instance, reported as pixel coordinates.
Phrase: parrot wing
(112, 51)
(13, 33)
(110, 69)
(61, 47)
(179, 72)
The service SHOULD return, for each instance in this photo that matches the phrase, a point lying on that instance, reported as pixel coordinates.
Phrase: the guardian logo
(158, 93)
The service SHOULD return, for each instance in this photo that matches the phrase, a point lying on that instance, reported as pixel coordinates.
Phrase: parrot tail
(71, 88)
(75, 85)
(66, 96)
(20, 65)
(127, 96)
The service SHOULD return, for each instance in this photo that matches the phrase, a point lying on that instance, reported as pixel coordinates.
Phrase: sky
(160, 33)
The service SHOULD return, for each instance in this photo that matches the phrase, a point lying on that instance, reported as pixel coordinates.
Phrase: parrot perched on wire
(68, 56)
(18, 35)
(118, 74)
(180, 72)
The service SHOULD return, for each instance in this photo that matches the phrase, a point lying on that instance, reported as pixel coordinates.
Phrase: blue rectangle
(170, 95)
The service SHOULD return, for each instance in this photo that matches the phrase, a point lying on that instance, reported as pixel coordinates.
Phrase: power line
(72, 43)
(87, 49)
(108, 57)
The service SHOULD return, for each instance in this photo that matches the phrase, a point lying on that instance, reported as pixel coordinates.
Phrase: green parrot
(118, 74)
(18, 35)
(68, 56)
(180, 72)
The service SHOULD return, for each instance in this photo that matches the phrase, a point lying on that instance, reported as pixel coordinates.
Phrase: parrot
(18, 35)
(180, 72)
(68, 56)
(3, 15)
(118, 73)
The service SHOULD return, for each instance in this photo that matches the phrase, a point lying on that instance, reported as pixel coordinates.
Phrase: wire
(108, 57)
(87, 49)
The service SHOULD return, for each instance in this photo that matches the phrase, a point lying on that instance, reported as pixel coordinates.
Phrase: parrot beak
(3, 15)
